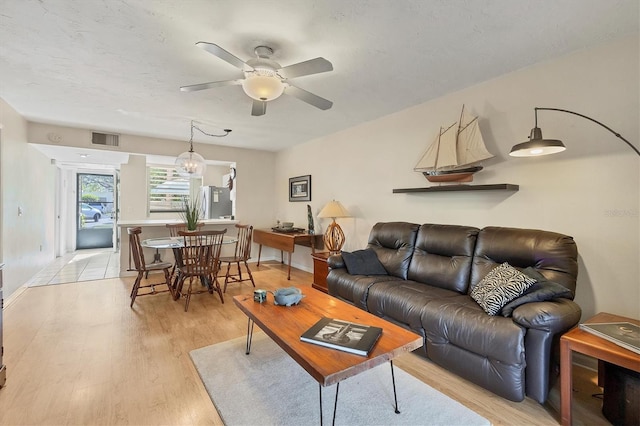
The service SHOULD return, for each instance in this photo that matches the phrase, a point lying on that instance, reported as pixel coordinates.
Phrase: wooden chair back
(243, 245)
(174, 228)
(135, 249)
(201, 252)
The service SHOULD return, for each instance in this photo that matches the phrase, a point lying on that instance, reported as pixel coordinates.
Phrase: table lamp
(333, 236)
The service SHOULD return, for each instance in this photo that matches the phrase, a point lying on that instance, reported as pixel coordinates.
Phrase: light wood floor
(77, 354)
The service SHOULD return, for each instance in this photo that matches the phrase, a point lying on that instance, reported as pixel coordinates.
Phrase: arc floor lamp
(536, 145)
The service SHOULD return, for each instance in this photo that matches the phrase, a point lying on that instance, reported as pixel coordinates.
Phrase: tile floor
(81, 265)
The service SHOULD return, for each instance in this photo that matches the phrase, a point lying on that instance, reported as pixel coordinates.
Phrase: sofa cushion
(461, 322)
(443, 256)
(542, 290)
(393, 243)
(353, 288)
(500, 286)
(403, 301)
(363, 262)
(487, 350)
(553, 254)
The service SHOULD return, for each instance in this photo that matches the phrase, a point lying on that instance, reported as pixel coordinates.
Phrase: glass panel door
(95, 211)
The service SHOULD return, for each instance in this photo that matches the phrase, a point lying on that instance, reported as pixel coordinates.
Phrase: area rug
(267, 387)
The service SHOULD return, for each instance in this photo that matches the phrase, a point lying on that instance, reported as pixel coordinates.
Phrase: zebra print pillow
(499, 287)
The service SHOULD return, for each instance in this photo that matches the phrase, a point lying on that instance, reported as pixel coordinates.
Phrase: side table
(320, 270)
(285, 242)
(577, 340)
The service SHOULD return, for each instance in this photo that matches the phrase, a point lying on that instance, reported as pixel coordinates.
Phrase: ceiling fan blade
(258, 108)
(210, 85)
(308, 97)
(223, 54)
(312, 66)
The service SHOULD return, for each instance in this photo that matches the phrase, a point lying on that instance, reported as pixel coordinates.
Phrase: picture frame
(300, 188)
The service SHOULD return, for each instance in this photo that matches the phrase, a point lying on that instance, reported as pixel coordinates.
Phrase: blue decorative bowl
(287, 296)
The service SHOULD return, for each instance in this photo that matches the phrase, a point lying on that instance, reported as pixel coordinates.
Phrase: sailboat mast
(435, 165)
(460, 122)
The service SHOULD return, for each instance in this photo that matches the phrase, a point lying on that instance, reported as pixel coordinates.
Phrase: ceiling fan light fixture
(264, 79)
(262, 87)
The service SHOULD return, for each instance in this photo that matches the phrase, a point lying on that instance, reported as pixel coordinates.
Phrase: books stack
(623, 334)
(346, 336)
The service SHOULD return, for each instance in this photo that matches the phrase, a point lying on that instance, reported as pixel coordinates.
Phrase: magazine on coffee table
(623, 334)
(346, 336)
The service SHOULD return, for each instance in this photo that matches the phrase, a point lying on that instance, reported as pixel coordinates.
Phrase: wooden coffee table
(285, 325)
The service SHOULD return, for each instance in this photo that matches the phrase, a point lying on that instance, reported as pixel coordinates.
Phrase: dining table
(176, 244)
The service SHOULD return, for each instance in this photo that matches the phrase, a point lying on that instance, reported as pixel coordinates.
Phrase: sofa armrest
(554, 316)
(335, 261)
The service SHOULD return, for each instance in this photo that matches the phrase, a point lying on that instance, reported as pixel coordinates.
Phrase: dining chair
(199, 258)
(136, 253)
(174, 228)
(242, 255)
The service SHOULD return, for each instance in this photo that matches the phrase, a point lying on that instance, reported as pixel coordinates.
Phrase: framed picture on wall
(300, 188)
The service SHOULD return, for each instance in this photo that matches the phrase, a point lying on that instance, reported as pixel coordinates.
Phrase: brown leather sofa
(430, 270)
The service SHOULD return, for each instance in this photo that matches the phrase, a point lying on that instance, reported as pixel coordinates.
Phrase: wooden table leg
(259, 253)
(289, 272)
(565, 382)
(312, 242)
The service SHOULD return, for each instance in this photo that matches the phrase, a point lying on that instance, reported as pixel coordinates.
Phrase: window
(167, 189)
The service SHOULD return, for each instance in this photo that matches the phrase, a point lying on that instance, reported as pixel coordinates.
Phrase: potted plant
(191, 212)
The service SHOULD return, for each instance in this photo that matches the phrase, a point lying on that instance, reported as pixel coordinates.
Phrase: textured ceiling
(117, 66)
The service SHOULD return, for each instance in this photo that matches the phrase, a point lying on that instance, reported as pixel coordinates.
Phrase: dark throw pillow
(363, 262)
(542, 290)
(499, 287)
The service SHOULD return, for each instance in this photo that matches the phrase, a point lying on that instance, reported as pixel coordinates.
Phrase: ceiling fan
(264, 79)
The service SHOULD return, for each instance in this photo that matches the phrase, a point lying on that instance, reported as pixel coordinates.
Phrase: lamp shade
(190, 164)
(334, 209)
(262, 87)
(536, 145)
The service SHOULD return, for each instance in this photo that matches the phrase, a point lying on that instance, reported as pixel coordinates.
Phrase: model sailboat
(454, 154)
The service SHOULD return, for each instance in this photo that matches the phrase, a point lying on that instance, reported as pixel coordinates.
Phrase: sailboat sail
(442, 152)
(471, 148)
(454, 151)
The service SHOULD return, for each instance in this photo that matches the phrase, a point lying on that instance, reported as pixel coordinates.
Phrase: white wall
(591, 191)
(28, 182)
(254, 182)
(133, 188)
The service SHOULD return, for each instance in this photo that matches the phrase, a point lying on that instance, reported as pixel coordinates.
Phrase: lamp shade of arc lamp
(537, 145)
(333, 236)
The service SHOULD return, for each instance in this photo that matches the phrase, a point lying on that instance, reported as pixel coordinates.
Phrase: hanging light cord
(193, 126)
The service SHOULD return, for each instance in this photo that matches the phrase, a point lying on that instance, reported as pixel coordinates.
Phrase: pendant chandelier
(190, 164)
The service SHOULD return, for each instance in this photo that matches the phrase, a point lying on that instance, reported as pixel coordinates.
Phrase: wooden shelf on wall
(452, 188)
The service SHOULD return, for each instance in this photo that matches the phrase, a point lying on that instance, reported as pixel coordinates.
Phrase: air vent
(105, 139)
